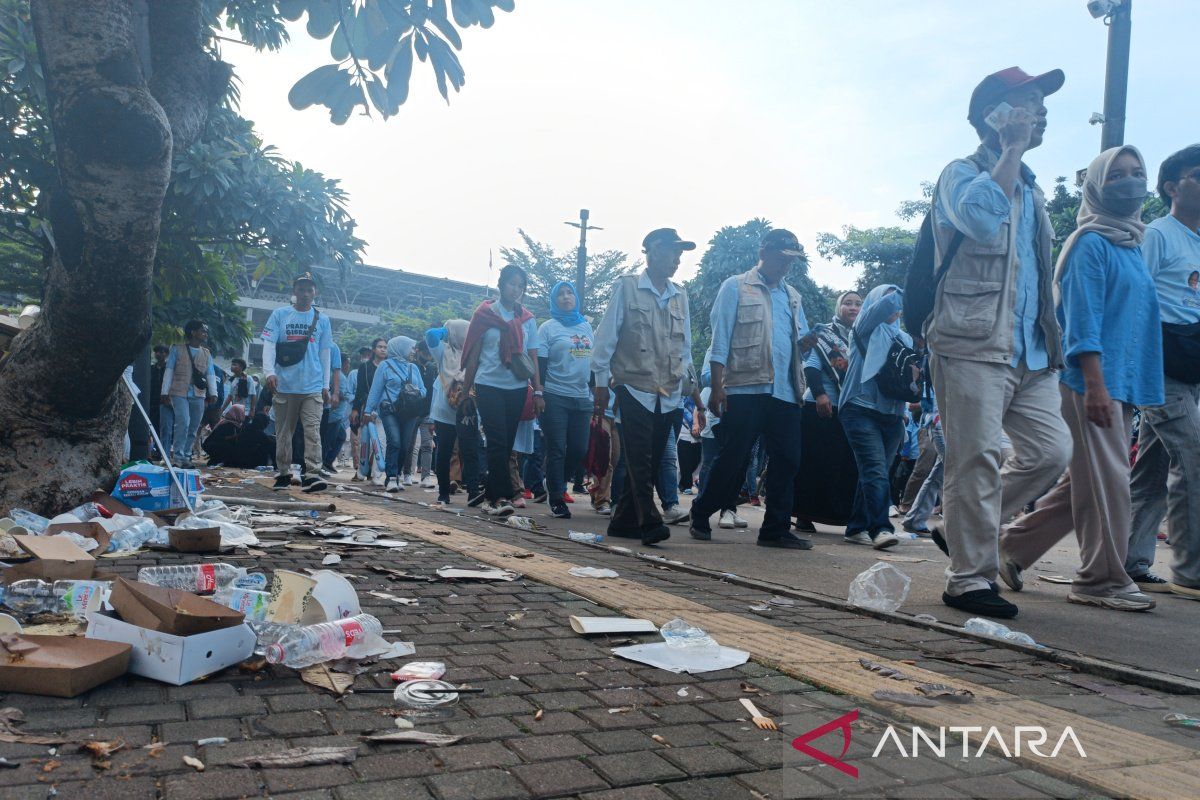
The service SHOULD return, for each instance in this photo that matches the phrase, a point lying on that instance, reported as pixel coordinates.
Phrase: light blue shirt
(389, 382)
(1109, 307)
(1171, 251)
(873, 334)
(286, 324)
(723, 318)
(492, 371)
(568, 354)
(605, 343)
(971, 202)
(341, 412)
(439, 409)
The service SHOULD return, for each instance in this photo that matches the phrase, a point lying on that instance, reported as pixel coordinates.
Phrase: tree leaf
(291, 10)
(323, 16)
(399, 71)
(314, 86)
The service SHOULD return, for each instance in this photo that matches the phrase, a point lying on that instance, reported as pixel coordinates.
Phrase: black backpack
(894, 379)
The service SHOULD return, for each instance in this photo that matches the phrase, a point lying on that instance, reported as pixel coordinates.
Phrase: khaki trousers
(978, 401)
(304, 409)
(1092, 499)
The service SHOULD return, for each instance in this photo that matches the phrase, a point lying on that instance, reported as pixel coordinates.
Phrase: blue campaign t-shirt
(568, 353)
(286, 324)
(491, 371)
(1171, 251)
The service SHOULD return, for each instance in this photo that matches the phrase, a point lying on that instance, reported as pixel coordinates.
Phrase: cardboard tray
(53, 559)
(91, 530)
(170, 610)
(64, 666)
(195, 540)
(174, 659)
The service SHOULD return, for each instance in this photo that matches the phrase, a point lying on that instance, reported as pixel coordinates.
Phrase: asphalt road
(1166, 639)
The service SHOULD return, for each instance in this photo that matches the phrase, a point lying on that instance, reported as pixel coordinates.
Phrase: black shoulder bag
(199, 379)
(288, 354)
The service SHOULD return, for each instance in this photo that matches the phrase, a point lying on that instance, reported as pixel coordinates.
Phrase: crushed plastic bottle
(85, 512)
(580, 536)
(882, 587)
(420, 670)
(1182, 720)
(196, 578)
(133, 535)
(683, 634)
(34, 523)
(985, 627)
(251, 603)
(74, 598)
(84, 543)
(252, 580)
(353, 637)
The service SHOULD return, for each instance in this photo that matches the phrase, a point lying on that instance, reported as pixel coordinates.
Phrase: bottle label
(353, 631)
(206, 580)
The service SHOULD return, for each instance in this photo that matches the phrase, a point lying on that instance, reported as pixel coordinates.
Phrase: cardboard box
(63, 666)
(170, 610)
(91, 530)
(174, 659)
(195, 540)
(119, 507)
(53, 559)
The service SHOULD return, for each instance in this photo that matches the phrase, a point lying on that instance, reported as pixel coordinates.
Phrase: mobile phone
(993, 119)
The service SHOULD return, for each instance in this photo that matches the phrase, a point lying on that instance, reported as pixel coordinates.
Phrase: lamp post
(581, 255)
(1117, 16)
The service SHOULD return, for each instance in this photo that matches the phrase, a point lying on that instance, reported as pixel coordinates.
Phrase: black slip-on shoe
(476, 500)
(984, 602)
(282, 482)
(787, 541)
(656, 535)
(935, 533)
(700, 533)
(805, 526)
(313, 484)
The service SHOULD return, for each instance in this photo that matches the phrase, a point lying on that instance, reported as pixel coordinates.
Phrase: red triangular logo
(843, 723)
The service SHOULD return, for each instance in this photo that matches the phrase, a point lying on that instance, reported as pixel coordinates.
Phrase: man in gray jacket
(995, 343)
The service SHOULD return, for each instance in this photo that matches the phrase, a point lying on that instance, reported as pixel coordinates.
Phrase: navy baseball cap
(666, 236)
(783, 241)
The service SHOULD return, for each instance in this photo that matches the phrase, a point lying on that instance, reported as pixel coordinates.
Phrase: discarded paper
(300, 757)
(412, 737)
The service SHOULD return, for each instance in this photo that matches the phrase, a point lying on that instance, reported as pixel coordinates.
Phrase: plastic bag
(880, 588)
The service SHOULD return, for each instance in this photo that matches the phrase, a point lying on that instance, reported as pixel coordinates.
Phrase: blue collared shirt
(1109, 307)
(974, 204)
(723, 318)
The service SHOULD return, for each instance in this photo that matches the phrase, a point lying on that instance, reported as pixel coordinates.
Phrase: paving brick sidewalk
(608, 729)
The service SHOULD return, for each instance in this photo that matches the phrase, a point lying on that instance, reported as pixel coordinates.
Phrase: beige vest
(181, 378)
(649, 355)
(749, 362)
(973, 310)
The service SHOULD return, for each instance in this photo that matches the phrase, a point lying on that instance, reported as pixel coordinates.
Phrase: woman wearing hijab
(395, 396)
(825, 484)
(874, 423)
(1112, 342)
(564, 357)
(448, 408)
(371, 432)
(500, 354)
(234, 442)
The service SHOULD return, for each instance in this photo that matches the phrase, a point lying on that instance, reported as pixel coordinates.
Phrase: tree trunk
(63, 406)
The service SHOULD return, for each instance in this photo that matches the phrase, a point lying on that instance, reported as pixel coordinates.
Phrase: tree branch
(185, 79)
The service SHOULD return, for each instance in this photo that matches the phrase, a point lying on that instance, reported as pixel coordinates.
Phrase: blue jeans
(708, 454)
(399, 432)
(874, 439)
(667, 482)
(188, 412)
(166, 428)
(565, 424)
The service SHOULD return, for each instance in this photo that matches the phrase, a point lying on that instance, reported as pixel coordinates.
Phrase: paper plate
(332, 598)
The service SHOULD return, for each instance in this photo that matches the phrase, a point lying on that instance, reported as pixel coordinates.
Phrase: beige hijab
(451, 368)
(1093, 216)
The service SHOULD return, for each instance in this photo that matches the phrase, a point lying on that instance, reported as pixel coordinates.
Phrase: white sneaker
(1126, 601)
(727, 520)
(500, 509)
(673, 514)
(406, 480)
(393, 485)
(884, 540)
(604, 510)
(429, 482)
(857, 538)
(738, 522)
(378, 479)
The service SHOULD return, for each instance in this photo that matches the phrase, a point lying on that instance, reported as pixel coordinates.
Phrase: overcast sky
(697, 114)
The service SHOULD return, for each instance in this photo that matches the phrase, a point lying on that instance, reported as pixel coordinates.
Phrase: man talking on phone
(994, 341)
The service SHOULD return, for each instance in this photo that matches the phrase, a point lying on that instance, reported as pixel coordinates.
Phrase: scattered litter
(786, 602)
(322, 677)
(1055, 579)
(760, 607)
(592, 572)
(397, 574)
(102, 750)
(408, 601)
(970, 661)
(683, 692)
(985, 627)
(301, 757)
(492, 574)
(426, 693)
(902, 559)
(331, 559)
(521, 523)
(1182, 721)
(404, 724)
(882, 587)
(685, 659)
(10, 719)
(586, 537)
(410, 737)
(538, 716)
(6, 764)
(885, 671)
(420, 670)
(194, 763)
(621, 710)
(940, 691)
(588, 626)
(903, 698)
(659, 738)
(212, 741)
(748, 689)
(518, 555)
(925, 618)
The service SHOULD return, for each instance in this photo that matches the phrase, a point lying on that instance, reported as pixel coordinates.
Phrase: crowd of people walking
(1006, 399)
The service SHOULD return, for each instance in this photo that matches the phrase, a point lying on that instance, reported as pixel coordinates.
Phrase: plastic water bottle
(986, 627)
(580, 536)
(251, 603)
(683, 634)
(84, 543)
(196, 578)
(26, 597)
(133, 536)
(353, 637)
(75, 598)
(252, 580)
(34, 523)
(85, 512)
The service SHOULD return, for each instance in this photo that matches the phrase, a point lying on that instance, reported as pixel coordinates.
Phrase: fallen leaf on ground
(883, 670)
(300, 757)
(10, 718)
(322, 677)
(253, 665)
(748, 689)
(970, 661)
(519, 555)
(194, 763)
(902, 698)
(103, 749)
(442, 533)
(940, 691)
(660, 740)
(538, 716)
(412, 737)
(51, 765)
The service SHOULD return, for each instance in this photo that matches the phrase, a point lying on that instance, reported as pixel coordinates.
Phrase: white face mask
(294, 299)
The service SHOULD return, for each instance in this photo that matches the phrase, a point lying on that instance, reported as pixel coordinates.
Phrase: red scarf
(512, 332)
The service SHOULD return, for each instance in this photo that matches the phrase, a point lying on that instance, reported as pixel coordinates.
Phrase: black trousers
(689, 460)
(468, 456)
(746, 417)
(499, 413)
(643, 439)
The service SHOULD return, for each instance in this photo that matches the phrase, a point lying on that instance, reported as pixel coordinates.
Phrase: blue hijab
(566, 318)
(874, 329)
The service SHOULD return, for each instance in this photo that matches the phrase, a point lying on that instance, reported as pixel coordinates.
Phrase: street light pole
(1116, 76)
(581, 255)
